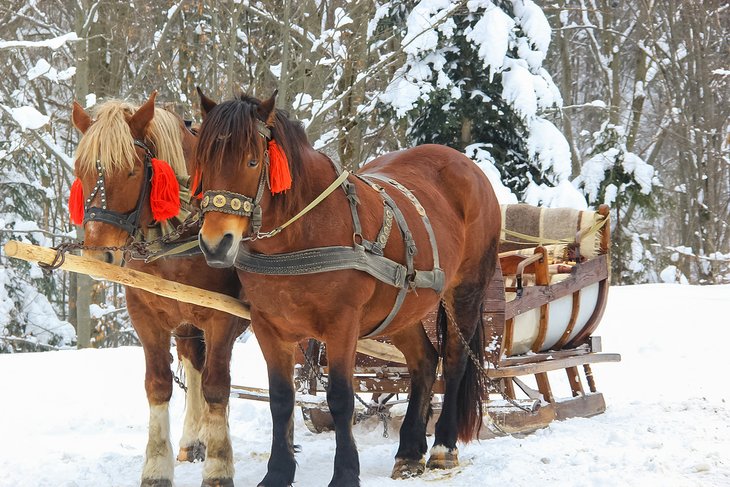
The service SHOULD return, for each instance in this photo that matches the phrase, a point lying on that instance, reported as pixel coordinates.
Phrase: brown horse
(113, 165)
(235, 154)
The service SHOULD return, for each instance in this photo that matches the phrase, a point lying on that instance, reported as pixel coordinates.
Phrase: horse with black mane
(123, 192)
(338, 272)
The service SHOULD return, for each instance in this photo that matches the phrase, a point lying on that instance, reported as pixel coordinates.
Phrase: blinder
(129, 222)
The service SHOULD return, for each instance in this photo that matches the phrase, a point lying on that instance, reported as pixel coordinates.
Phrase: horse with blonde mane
(130, 165)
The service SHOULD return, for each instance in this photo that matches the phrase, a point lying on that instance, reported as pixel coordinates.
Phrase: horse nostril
(226, 241)
(108, 257)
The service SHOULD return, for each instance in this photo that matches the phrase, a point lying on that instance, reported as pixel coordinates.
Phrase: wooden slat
(548, 365)
(571, 324)
(596, 316)
(542, 356)
(584, 274)
(543, 385)
(576, 387)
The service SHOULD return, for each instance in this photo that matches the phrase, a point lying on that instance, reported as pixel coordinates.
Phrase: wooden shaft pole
(165, 288)
(130, 277)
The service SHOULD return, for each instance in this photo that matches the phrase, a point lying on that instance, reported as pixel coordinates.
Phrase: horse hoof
(406, 469)
(156, 483)
(192, 453)
(443, 458)
(217, 483)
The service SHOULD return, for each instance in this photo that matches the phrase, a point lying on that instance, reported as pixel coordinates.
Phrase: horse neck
(317, 173)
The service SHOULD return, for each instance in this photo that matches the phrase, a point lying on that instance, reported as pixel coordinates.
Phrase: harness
(364, 255)
(129, 222)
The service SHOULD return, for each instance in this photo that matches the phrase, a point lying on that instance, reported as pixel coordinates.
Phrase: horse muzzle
(221, 253)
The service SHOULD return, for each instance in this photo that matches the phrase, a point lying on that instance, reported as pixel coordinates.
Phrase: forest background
(617, 102)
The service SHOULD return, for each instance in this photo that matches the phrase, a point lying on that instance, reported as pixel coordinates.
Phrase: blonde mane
(110, 141)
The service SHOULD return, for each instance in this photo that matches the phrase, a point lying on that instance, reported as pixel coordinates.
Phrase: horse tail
(472, 388)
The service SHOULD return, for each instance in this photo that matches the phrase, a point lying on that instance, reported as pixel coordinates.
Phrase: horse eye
(253, 163)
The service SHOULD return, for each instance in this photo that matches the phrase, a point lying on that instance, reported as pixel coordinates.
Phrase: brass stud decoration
(235, 204)
(219, 201)
(247, 206)
(206, 201)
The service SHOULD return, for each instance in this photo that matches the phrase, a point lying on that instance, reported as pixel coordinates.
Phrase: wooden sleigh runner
(545, 301)
(541, 309)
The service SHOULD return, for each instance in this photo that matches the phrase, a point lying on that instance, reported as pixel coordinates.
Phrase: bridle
(239, 204)
(129, 222)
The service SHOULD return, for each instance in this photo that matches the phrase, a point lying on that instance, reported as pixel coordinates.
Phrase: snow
(53, 43)
(79, 418)
(28, 117)
(491, 34)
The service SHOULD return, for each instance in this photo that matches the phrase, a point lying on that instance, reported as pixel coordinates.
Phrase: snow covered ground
(79, 418)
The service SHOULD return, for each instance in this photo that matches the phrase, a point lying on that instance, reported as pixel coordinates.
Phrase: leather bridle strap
(129, 222)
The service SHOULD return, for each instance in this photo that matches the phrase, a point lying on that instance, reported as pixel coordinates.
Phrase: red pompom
(279, 173)
(76, 203)
(165, 193)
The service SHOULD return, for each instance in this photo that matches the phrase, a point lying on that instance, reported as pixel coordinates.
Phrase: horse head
(234, 156)
(121, 186)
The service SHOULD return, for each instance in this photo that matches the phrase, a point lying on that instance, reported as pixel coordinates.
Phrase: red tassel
(165, 193)
(279, 174)
(76, 203)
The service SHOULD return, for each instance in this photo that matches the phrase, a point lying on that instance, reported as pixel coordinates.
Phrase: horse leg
(280, 365)
(191, 352)
(158, 467)
(464, 386)
(421, 358)
(216, 384)
(341, 402)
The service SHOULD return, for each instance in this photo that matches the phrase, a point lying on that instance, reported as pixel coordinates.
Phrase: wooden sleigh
(541, 309)
(545, 301)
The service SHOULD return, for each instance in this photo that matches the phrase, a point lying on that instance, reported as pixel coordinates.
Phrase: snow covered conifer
(621, 179)
(473, 79)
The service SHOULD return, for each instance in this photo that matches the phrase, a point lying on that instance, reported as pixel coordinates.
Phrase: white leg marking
(159, 461)
(194, 404)
(219, 453)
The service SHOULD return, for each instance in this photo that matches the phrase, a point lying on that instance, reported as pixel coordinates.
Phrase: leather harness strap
(366, 256)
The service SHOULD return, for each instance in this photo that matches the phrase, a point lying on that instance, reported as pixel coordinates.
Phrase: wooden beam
(543, 385)
(163, 287)
(548, 365)
(130, 277)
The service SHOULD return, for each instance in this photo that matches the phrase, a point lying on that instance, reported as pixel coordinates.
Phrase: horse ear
(142, 117)
(80, 119)
(267, 109)
(206, 104)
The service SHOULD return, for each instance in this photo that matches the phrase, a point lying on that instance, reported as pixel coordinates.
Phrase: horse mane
(109, 139)
(230, 132)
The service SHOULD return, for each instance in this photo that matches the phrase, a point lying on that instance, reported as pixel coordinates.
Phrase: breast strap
(365, 255)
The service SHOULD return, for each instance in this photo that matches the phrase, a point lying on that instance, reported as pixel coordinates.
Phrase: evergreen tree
(621, 179)
(473, 78)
